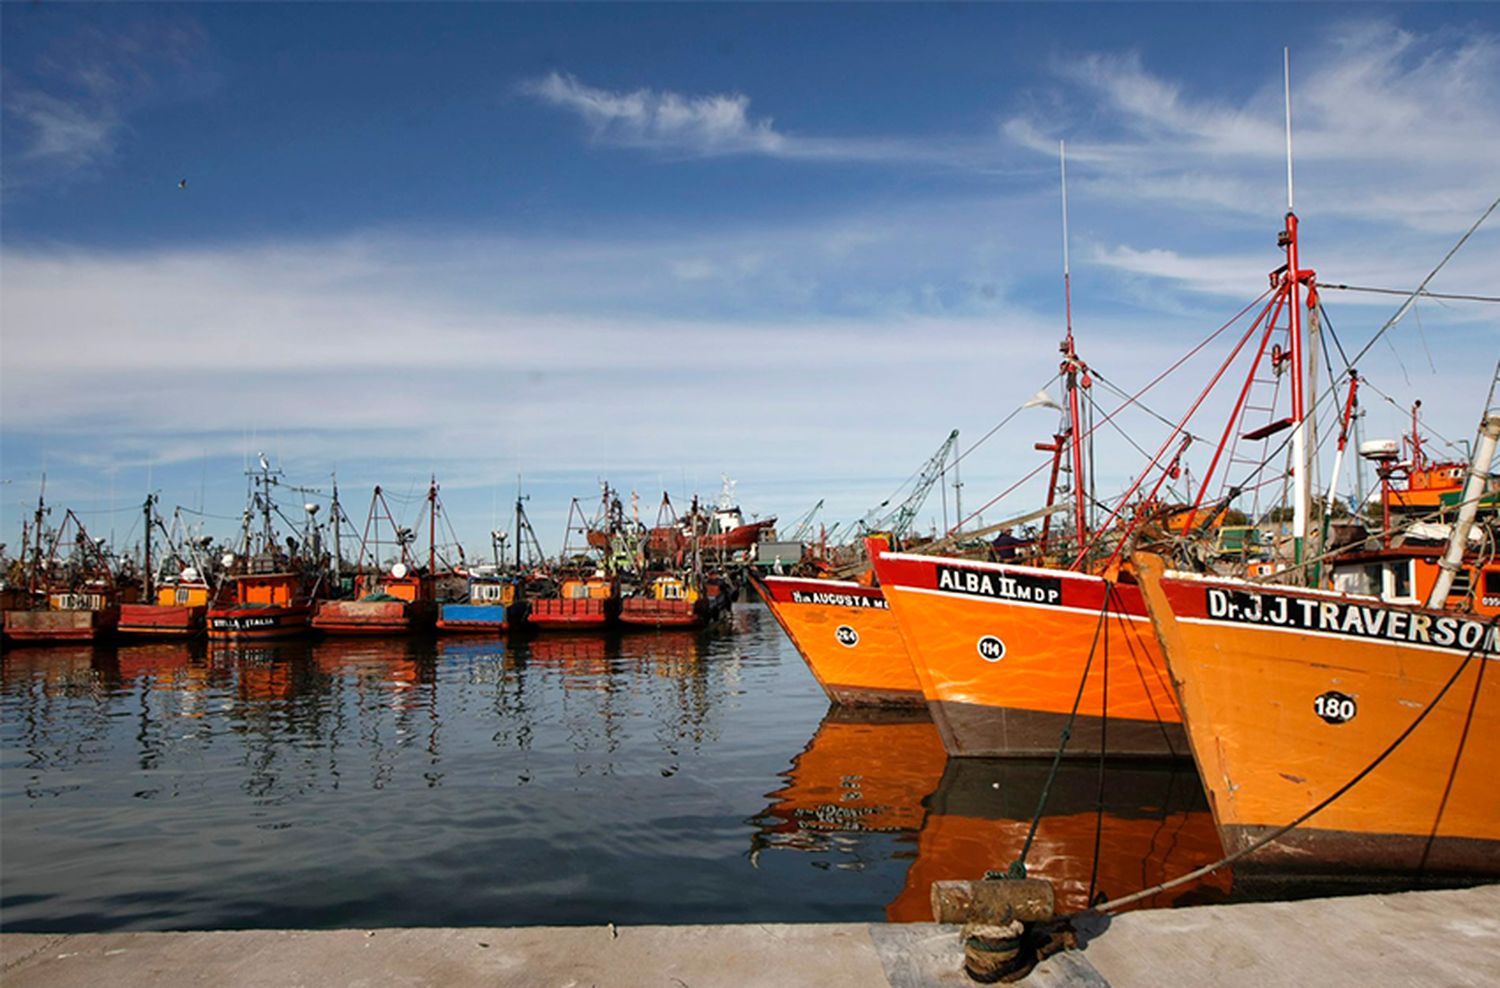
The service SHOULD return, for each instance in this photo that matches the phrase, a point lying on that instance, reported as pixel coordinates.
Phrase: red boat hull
(565, 614)
(60, 626)
(373, 617)
(163, 621)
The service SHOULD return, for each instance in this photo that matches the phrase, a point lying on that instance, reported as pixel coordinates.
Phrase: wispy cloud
(722, 124)
(1389, 125)
(70, 107)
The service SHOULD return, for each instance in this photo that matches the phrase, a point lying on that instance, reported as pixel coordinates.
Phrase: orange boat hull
(848, 637)
(1289, 694)
(1001, 652)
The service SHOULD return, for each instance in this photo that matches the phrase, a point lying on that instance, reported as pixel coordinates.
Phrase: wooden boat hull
(1001, 651)
(40, 626)
(374, 617)
(248, 623)
(1289, 694)
(848, 637)
(162, 620)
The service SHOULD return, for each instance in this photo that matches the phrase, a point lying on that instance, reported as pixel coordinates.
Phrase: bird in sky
(182, 184)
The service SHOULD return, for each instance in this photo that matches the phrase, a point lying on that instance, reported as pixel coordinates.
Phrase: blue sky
(657, 244)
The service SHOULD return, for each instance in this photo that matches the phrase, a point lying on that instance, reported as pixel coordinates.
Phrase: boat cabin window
(1492, 582)
(1397, 585)
(1363, 580)
(671, 591)
(486, 593)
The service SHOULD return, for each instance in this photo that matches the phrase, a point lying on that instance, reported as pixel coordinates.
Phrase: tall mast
(36, 532)
(146, 576)
(432, 526)
(338, 544)
(1070, 367)
(1300, 478)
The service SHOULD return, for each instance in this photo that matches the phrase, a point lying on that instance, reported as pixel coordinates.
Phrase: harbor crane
(898, 520)
(802, 527)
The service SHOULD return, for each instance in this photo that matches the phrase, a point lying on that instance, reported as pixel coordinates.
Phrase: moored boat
(493, 604)
(581, 602)
(69, 598)
(847, 635)
(396, 601)
(1291, 693)
(673, 601)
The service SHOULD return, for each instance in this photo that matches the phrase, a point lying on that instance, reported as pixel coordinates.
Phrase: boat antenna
(1286, 75)
(1070, 368)
(1294, 275)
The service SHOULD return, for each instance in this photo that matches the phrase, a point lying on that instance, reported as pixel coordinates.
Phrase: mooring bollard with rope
(1003, 914)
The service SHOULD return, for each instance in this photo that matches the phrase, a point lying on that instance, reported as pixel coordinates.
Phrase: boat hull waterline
(1001, 650)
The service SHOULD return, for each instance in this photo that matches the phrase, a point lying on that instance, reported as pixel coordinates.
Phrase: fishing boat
(70, 597)
(725, 529)
(176, 605)
(845, 632)
(1290, 694)
(267, 591)
(670, 600)
(493, 604)
(395, 600)
(580, 602)
(1034, 650)
(583, 591)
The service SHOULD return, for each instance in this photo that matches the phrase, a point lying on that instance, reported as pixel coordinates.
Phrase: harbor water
(672, 777)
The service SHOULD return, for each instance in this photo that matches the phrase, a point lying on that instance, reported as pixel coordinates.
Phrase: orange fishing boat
(581, 603)
(179, 611)
(1291, 693)
(845, 632)
(401, 600)
(267, 593)
(1003, 650)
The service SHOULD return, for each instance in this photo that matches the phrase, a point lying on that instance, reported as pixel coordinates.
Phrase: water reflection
(865, 778)
(361, 781)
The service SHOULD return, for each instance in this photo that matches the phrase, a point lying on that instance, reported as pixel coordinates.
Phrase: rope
(1017, 867)
(1256, 845)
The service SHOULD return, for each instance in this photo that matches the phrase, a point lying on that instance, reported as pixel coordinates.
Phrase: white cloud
(721, 124)
(72, 104)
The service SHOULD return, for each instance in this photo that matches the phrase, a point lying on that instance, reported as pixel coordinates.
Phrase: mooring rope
(1017, 867)
(1261, 842)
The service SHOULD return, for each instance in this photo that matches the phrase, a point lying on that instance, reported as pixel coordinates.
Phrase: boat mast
(1071, 365)
(36, 532)
(1295, 357)
(338, 543)
(432, 526)
(146, 576)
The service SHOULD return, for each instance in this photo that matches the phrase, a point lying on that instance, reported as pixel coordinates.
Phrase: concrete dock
(1449, 938)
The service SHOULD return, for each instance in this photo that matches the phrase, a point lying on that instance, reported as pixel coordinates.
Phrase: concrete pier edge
(1445, 938)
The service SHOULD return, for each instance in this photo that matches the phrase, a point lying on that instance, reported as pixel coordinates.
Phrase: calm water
(640, 778)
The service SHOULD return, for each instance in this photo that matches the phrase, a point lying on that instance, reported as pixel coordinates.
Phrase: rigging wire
(1412, 298)
(1447, 296)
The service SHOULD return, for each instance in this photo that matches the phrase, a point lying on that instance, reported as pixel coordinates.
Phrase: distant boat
(177, 607)
(268, 591)
(672, 601)
(579, 602)
(494, 604)
(72, 598)
(398, 601)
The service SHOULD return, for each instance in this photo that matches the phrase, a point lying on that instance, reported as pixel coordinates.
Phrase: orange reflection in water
(1150, 822)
